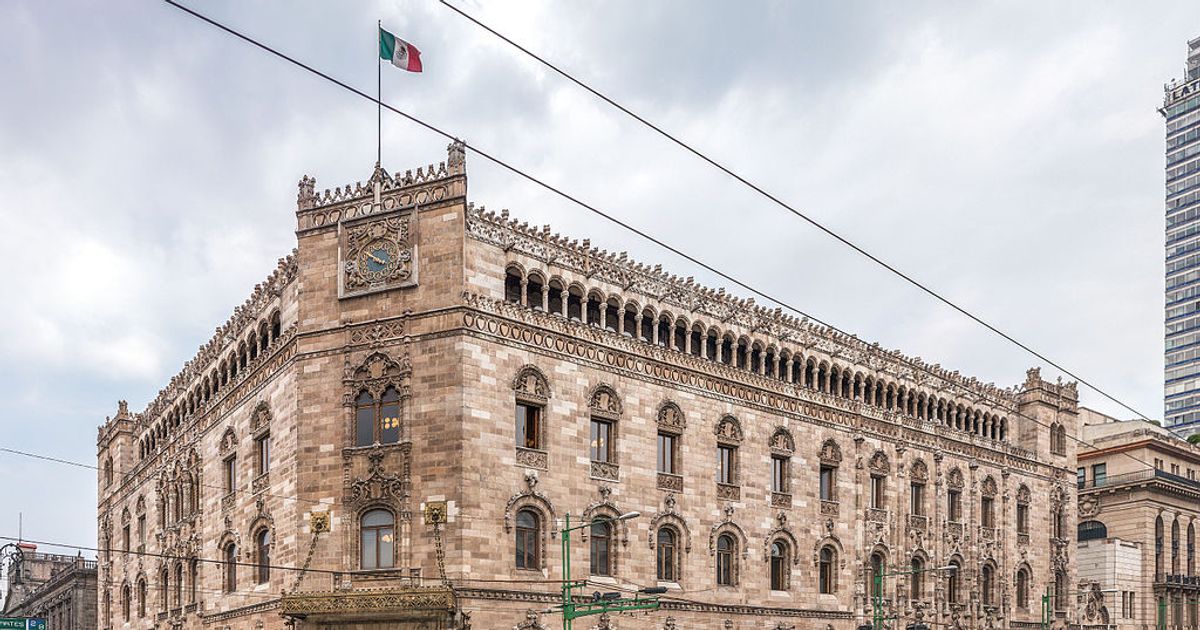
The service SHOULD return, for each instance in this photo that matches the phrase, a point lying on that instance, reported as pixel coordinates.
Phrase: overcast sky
(1008, 154)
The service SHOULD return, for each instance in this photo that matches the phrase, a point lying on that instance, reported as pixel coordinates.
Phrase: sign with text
(22, 623)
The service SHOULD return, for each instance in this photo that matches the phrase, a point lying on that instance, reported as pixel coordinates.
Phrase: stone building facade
(1139, 508)
(60, 589)
(395, 426)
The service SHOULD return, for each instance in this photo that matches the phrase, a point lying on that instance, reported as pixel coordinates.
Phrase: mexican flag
(402, 54)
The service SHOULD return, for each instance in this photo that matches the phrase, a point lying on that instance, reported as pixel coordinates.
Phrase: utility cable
(786, 206)
(565, 195)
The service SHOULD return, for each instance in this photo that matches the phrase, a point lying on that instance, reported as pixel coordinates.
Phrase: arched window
(1060, 590)
(125, 599)
(668, 548)
(377, 536)
(364, 420)
(826, 566)
(389, 417)
(1158, 547)
(164, 588)
(230, 557)
(987, 584)
(1175, 546)
(1023, 588)
(726, 550)
(1191, 550)
(953, 581)
(1092, 530)
(108, 472)
(916, 580)
(193, 580)
(528, 540)
(875, 571)
(779, 566)
(262, 555)
(141, 597)
(178, 601)
(512, 286)
(601, 547)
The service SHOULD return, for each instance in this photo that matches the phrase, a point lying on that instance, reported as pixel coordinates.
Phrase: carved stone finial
(456, 155)
(306, 198)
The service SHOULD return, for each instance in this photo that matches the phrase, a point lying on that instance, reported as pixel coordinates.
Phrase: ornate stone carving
(1089, 506)
(260, 418)
(831, 453)
(988, 487)
(378, 254)
(879, 463)
(606, 470)
(532, 622)
(531, 384)
(375, 334)
(919, 472)
(781, 500)
(671, 418)
(781, 531)
(532, 458)
(729, 492)
(667, 481)
(829, 508)
(669, 515)
(379, 485)
(955, 479)
(603, 399)
(728, 429)
(727, 525)
(782, 441)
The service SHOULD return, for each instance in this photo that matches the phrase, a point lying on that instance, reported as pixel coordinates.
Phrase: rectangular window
(529, 426)
(666, 453)
(1022, 518)
(262, 454)
(141, 531)
(125, 532)
(230, 474)
(1174, 469)
(877, 492)
(601, 440)
(917, 499)
(827, 483)
(779, 473)
(1081, 476)
(954, 505)
(987, 516)
(726, 460)
(1099, 474)
(1158, 463)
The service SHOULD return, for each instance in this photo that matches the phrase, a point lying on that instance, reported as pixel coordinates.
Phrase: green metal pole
(566, 551)
(1162, 613)
(877, 602)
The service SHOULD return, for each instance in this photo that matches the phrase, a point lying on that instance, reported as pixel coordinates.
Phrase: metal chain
(440, 553)
(312, 547)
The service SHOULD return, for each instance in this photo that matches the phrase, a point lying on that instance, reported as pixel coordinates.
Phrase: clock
(378, 259)
(377, 254)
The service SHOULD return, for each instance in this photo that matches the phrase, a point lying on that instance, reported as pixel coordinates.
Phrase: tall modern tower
(1181, 108)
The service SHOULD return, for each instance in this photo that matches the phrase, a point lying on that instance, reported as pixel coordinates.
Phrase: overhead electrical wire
(587, 206)
(790, 208)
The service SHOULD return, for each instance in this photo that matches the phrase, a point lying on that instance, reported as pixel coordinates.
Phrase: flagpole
(378, 97)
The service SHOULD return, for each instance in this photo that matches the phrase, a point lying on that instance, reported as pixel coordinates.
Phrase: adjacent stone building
(59, 589)
(1139, 501)
(394, 427)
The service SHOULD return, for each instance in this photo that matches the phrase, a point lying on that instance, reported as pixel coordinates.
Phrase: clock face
(378, 259)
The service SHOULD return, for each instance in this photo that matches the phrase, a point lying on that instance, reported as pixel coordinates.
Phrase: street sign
(22, 623)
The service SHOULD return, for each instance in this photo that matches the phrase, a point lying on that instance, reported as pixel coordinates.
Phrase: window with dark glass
(262, 454)
(916, 580)
(364, 420)
(826, 583)
(230, 468)
(601, 547)
(876, 566)
(377, 421)
(1022, 588)
(602, 447)
(230, 568)
(178, 584)
(952, 582)
(141, 598)
(262, 555)
(1099, 474)
(389, 417)
(377, 538)
(528, 545)
(827, 479)
(778, 566)
(667, 452)
(916, 497)
(1081, 476)
(529, 425)
(987, 585)
(141, 529)
(726, 464)
(125, 534)
(125, 597)
(725, 553)
(877, 486)
(779, 473)
(954, 505)
(987, 516)
(1022, 518)
(667, 548)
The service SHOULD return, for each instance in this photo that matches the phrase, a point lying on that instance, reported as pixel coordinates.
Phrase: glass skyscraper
(1181, 108)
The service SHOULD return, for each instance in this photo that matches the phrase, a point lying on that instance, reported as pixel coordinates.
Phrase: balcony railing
(1145, 474)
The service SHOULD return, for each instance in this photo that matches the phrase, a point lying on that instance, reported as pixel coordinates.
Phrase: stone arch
(954, 478)
(533, 499)
(830, 452)
(782, 531)
(729, 527)
(879, 463)
(988, 487)
(918, 471)
(229, 441)
(260, 418)
(670, 516)
(728, 429)
(782, 441)
(832, 542)
(671, 417)
(604, 399)
(605, 507)
(530, 382)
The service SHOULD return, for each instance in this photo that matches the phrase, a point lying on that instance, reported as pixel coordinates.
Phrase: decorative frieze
(605, 470)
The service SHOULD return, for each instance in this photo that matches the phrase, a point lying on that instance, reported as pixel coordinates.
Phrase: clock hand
(376, 258)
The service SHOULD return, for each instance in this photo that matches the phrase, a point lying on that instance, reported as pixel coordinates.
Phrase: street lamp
(604, 602)
(877, 599)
